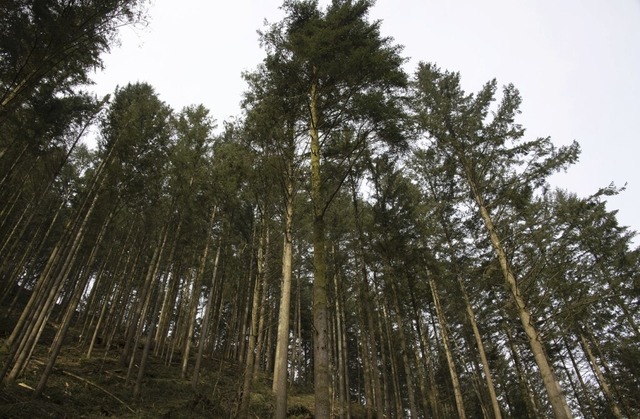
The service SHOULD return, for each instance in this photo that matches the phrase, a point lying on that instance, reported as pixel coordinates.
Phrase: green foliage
(394, 221)
(358, 72)
(55, 44)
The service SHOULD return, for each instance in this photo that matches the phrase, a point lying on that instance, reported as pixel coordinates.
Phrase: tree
(270, 127)
(346, 71)
(499, 171)
(55, 44)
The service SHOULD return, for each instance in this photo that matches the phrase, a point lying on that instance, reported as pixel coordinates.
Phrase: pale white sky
(575, 62)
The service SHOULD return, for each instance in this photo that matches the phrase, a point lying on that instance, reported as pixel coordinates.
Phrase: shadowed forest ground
(97, 387)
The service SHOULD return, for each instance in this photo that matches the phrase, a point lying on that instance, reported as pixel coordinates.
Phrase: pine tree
(345, 70)
(500, 171)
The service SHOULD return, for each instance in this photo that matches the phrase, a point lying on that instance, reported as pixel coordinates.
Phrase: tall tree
(499, 169)
(346, 70)
(272, 113)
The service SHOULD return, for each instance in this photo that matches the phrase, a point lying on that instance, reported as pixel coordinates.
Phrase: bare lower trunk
(205, 324)
(282, 341)
(552, 385)
(457, 390)
(404, 349)
(253, 331)
(483, 357)
(69, 313)
(322, 380)
(195, 298)
(615, 410)
(583, 385)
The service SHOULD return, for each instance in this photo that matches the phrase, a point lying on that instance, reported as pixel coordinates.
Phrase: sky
(576, 64)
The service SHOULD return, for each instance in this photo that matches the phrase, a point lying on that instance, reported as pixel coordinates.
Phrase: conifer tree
(346, 71)
(500, 170)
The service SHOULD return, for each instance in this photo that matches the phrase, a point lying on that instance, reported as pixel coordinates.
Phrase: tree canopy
(383, 241)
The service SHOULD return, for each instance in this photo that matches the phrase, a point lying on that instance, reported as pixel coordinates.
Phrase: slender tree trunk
(44, 297)
(404, 350)
(148, 343)
(140, 309)
(282, 341)
(294, 371)
(483, 357)
(170, 292)
(574, 387)
(393, 366)
(195, 297)
(69, 313)
(374, 397)
(379, 394)
(205, 323)
(552, 385)
(321, 353)
(457, 390)
(583, 385)
(140, 316)
(528, 396)
(253, 326)
(344, 362)
(262, 321)
(615, 410)
(269, 350)
(423, 361)
(109, 299)
(190, 323)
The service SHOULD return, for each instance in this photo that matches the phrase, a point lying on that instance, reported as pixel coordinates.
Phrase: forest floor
(97, 387)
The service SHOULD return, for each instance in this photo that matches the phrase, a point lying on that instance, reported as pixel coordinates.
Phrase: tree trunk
(528, 396)
(282, 340)
(322, 380)
(195, 297)
(483, 357)
(404, 350)
(44, 296)
(615, 410)
(205, 323)
(69, 313)
(583, 385)
(342, 375)
(148, 343)
(170, 292)
(260, 358)
(393, 366)
(457, 391)
(253, 326)
(552, 385)
(425, 365)
(140, 309)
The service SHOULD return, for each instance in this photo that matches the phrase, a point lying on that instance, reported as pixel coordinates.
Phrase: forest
(361, 242)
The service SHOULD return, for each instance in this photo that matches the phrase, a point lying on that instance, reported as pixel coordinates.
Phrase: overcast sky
(575, 62)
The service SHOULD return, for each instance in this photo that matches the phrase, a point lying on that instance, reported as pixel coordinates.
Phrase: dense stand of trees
(387, 241)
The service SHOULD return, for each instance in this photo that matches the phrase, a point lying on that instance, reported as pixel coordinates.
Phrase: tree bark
(528, 396)
(483, 357)
(615, 410)
(253, 326)
(205, 323)
(457, 391)
(583, 385)
(552, 385)
(282, 340)
(195, 297)
(322, 380)
(404, 350)
(68, 316)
